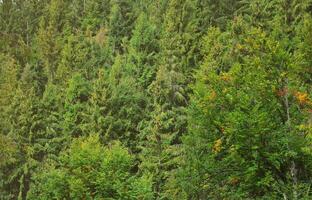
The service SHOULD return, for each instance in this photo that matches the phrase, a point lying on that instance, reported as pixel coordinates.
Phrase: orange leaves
(234, 181)
(211, 96)
(302, 98)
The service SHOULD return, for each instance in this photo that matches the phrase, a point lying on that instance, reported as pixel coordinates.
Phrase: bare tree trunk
(293, 168)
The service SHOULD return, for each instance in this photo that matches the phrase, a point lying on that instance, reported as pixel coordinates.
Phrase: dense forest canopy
(155, 99)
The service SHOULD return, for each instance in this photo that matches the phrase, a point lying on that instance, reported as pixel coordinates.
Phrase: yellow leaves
(302, 127)
(239, 46)
(225, 77)
(248, 40)
(251, 44)
(225, 90)
(217, 146)
(307, 128)
(101, 36)
(213, 95)
(205, 186)
(283, 74)
(302, 98)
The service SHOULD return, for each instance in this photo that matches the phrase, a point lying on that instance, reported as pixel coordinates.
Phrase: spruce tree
(161, 137)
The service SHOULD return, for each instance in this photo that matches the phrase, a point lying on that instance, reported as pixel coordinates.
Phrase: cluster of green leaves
(155, 99)
(88, 170)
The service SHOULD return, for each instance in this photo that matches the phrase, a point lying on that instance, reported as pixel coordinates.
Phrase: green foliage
(79, 54)
(155, 99)
(75, 112)
(120, 104)
(8, 83)
(87, 170)
(121, 20)
(78, 89)
(142, 49)
(243, 118)
(8, 149)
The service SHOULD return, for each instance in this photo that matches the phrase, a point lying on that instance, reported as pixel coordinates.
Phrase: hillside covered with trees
(155, 99)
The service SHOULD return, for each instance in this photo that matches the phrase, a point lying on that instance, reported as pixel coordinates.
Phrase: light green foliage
(303, 54)
(8, 83)
(78, 89)
(79, 54)
(8, 149)
(87, 170)
(24, 122)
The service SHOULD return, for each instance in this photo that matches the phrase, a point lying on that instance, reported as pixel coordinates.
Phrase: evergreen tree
(121, 22)
(142, 50)
(26, 129)
(155, 99)
(16, 177)
(119, 103)
(161, 137)
(82, 55)
(8, 83)
(75, 116)
(48, 37)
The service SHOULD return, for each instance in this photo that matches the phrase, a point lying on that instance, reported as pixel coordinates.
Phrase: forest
(155, 99)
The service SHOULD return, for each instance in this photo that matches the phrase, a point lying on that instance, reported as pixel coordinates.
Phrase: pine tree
(17, 35)
(22, 131)
(97, 13)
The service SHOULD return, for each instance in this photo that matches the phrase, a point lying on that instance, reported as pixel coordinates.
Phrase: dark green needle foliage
(156, 99)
